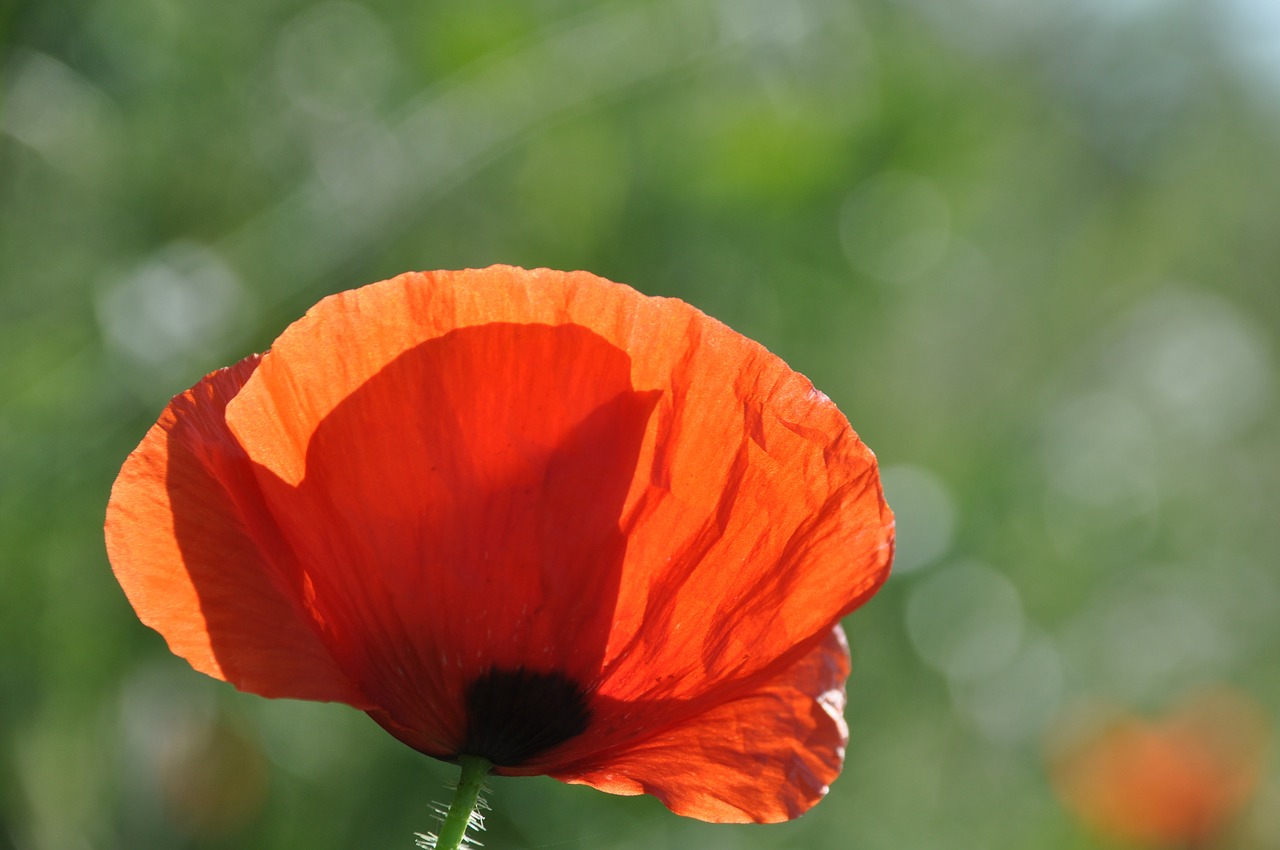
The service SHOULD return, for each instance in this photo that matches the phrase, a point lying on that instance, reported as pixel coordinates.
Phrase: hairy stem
(454, 829)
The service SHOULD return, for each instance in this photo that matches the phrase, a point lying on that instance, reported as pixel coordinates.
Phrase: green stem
(454, 829)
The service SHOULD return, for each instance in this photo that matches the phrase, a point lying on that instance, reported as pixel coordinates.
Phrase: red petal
(767, 756)
(459, 504)
(187, 548)
(763, 522)
(549, 471)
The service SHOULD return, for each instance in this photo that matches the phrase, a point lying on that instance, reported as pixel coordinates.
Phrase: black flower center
(514, 715)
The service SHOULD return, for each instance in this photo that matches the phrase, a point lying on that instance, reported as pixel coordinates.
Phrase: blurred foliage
(1029, 248)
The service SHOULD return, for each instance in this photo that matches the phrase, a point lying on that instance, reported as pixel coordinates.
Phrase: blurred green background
(1030, 247)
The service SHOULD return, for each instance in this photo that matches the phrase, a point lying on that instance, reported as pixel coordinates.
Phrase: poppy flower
(530, 516)
(1172, 782)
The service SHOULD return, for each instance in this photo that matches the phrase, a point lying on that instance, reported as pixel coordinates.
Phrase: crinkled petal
(459, 513)
(753, 516)
(766, 756)
(186, 542)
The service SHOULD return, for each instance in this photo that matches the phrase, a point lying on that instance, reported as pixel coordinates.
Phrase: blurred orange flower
(1174, 782)
(530, 516)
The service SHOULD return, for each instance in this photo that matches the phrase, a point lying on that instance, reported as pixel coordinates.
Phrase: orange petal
(186, 545)
(766, 756)
(755, 522)
(445, 473)
(459, 512)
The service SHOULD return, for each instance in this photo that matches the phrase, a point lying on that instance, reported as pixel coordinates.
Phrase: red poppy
(1173, 782)
(528, 515)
